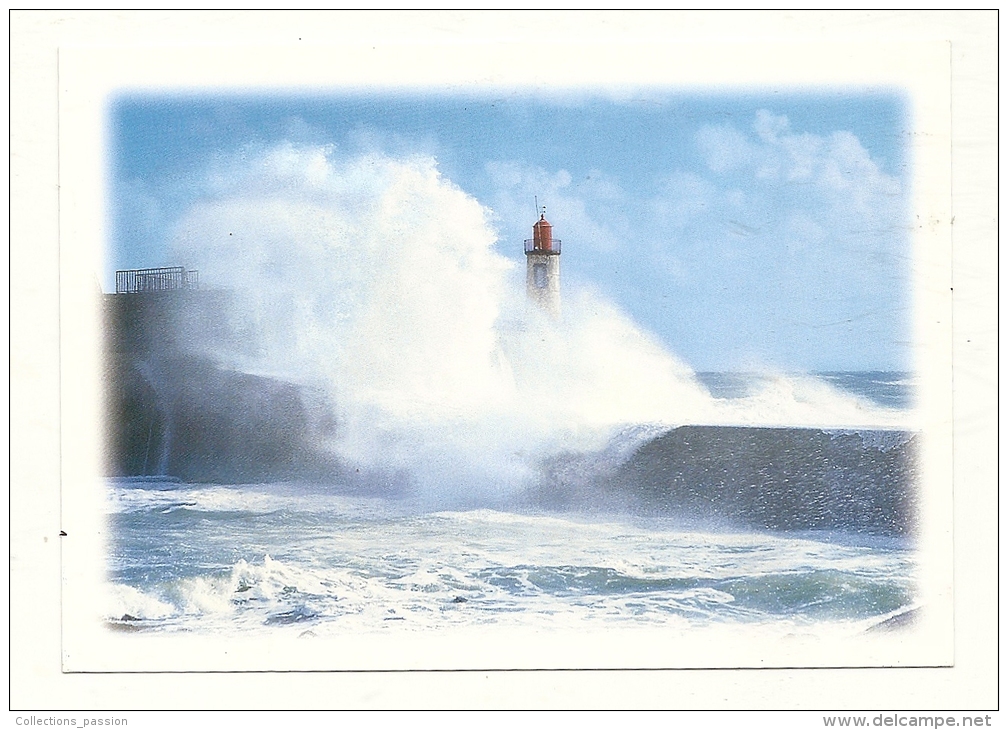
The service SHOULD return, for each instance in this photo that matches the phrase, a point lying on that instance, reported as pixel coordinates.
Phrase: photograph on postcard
(392, 366)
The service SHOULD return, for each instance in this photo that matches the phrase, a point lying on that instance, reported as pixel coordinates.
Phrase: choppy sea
(295, 558)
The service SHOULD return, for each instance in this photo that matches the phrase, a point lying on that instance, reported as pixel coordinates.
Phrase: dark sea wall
(171, 410)
(764, 478)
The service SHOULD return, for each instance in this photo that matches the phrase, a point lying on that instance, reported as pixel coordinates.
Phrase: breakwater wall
(172, 410)
(791, 479)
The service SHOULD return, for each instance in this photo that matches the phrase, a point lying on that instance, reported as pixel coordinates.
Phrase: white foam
(125, 601)
(380, 281)
(470, 569)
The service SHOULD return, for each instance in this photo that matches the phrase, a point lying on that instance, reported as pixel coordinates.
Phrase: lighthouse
(542, 271)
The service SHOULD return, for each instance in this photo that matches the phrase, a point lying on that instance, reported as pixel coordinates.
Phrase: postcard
(505, 356)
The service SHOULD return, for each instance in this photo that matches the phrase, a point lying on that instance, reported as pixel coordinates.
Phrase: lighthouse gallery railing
(553, 250)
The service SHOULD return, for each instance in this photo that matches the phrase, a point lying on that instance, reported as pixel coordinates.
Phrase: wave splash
(378, 282)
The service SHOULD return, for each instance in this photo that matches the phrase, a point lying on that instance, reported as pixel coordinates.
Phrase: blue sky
(747, 231)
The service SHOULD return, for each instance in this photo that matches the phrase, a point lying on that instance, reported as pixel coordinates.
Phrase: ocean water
(886, 389)
(233, 559)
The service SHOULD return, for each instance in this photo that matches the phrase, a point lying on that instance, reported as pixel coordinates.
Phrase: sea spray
(380, 282)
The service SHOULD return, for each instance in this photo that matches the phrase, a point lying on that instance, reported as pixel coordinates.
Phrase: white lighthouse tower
(542, 275)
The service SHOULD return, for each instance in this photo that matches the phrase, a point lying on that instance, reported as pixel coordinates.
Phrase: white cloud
(724, 147)
(831, 179)
(834, 163)
(779, 221)
(582, 211)
(770, 126)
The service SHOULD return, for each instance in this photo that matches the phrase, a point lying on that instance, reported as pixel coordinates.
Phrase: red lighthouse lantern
(542, 279)
(542, 234)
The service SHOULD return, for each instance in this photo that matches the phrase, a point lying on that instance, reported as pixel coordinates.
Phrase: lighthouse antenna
(537, 203)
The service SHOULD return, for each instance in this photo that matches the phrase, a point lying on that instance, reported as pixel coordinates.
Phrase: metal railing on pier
(167, 278)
